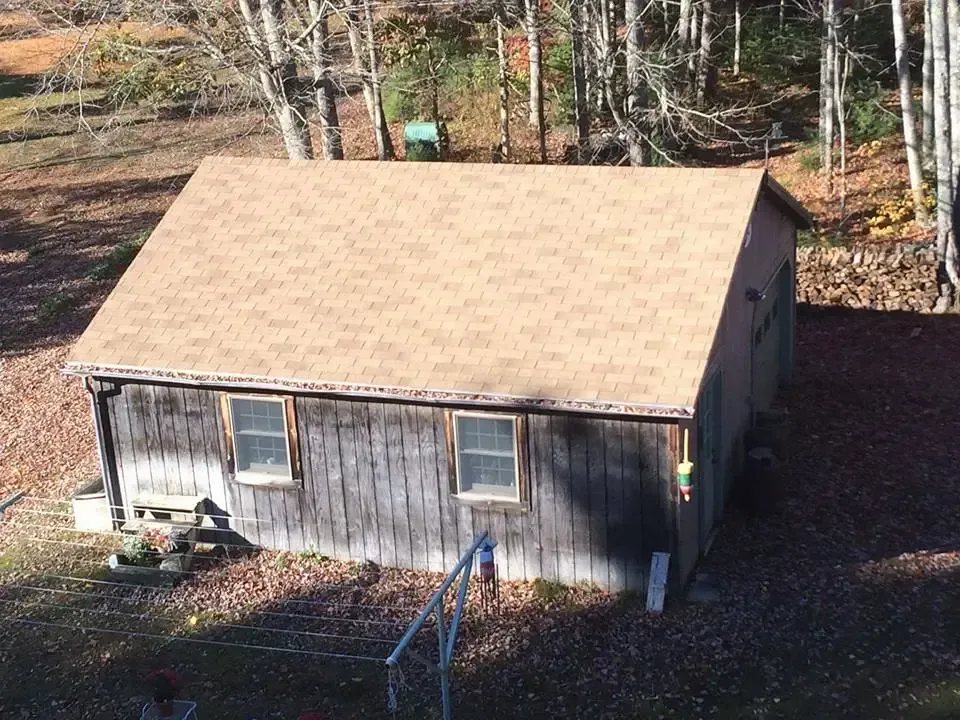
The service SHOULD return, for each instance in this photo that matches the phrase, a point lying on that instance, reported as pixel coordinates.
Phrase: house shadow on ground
(844, 603)
(48, 284)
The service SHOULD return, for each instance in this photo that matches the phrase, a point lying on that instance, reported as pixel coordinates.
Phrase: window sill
(516, 506)
(266, 481)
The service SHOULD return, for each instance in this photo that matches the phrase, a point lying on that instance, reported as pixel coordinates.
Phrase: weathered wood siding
(376, 485)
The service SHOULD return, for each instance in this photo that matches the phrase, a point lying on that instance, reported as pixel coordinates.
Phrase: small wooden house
(378, 360)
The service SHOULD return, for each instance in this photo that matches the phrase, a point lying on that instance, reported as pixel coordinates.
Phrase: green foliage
(403, 100)
(770, 53)
(118, 258)
(422, 151)
(809, 158)
(56, 304)
(311, 556)
(132, 75)
(550, 593)
(867, 118)
(558, 81)
(135, 548)
(281, 560)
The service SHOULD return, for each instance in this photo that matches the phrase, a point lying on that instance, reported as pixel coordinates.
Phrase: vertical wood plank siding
(376, 485)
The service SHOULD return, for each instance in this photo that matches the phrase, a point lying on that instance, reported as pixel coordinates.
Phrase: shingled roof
(591, 287)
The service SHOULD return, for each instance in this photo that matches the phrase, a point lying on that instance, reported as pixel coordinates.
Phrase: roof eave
(449, 398)
(804, 220)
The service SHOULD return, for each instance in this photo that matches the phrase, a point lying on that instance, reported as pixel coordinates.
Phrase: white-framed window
(487, 457)
(261, 439)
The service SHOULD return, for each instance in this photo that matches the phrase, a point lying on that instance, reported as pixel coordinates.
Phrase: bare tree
(331, 132)
(277, 74)
(927, 104)
(827, 91)
(953, 22)
(910, 139)
(634, 46)
(693, 55)
(946, 243)
(534, 50)
(737, 30)
(841, 75)
(704, 64)
(683, 25)
(381, 131)
(504, 86)
(581, 115)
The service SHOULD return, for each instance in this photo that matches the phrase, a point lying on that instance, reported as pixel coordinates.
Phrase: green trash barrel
(424, 140)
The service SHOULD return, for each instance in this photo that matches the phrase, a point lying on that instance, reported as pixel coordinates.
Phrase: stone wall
(901, 277)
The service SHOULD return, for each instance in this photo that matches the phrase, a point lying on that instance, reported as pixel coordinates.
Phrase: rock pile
(869, 277)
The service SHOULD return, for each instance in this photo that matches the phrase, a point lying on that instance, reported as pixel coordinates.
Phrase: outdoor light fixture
(754, 295)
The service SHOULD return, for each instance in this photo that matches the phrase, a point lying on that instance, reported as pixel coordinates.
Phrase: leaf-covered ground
(842, 605)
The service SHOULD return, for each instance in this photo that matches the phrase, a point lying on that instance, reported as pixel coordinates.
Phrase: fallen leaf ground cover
(842, 605)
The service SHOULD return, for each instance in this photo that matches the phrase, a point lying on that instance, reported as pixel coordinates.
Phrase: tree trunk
(781, 19)
(910, 140)
(358, 49)
(929, 153)
(822, 95)
(504, 89)
(704, 66)
(536, 79)
(581, 116)
(941, 110)
(331, 132)
(274, 80)
(606, 47)
(694, 40)
(828, 90)
(683, 24)
(381, 131)
(665, 4)
(737, 24)
(841, 73)
(953, 18)
(634, 45)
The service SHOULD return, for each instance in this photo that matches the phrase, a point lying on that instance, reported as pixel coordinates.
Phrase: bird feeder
(685, 470)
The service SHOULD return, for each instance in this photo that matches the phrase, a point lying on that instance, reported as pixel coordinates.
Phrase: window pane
(261, 443)
(486, 456)
(257, 453)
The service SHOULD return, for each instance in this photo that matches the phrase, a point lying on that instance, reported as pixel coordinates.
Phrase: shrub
(809, 158)
(402, 96)
(56, 304)
(868, 119)
(118, 258)
(550, 593)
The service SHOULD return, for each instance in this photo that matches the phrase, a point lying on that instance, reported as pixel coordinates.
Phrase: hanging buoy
(489, 585)
(488, 567)
(685, 470)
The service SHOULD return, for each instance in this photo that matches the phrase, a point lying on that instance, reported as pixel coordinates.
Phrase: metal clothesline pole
(446, 640)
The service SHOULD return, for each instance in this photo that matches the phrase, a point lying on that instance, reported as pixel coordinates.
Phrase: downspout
(105, 448)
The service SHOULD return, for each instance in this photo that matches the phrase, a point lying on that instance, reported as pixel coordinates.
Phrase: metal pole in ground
(444, 663)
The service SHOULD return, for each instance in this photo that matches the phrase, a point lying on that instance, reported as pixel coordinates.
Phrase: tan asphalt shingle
(570, 283)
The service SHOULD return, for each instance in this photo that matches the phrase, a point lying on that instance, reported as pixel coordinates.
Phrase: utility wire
(178, 638)
(234, 626)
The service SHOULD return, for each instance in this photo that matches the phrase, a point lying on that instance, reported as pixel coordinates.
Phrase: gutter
(101, 424)
(445, 398)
